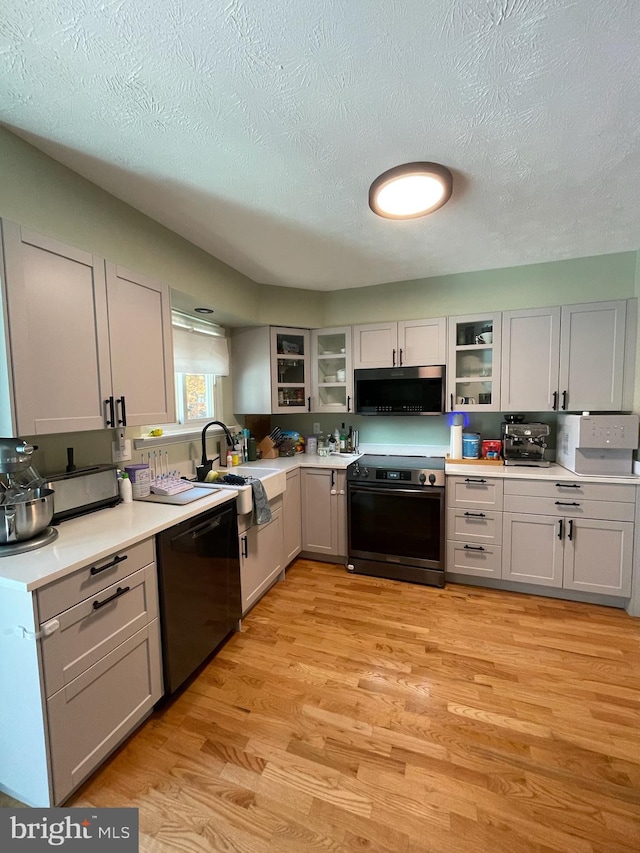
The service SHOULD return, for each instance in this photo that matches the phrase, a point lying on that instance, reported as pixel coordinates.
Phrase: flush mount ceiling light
(203, 310)
(410, 190)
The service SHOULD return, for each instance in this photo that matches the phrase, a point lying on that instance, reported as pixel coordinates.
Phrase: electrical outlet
(316, 428)
(121, 450)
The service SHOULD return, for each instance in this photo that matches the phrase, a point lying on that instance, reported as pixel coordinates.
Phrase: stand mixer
(26, 507)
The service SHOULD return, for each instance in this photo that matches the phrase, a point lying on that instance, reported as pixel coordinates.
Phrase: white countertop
(518, 472)
(103, 533)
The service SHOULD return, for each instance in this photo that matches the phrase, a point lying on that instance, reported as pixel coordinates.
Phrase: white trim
(176, 436)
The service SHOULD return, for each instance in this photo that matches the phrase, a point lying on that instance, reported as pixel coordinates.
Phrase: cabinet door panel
(598, 557)
(90, 716)
(317, 515)
(292, 517)
(530, 359)
(261, 558)
(422, 341)
(59, 334)
(592, 356)
(374, 345)
(531, 550)
(141, 347)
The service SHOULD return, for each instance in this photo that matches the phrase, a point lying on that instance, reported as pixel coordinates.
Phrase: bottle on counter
(229, 458)
(125, 489)
(350, 440)
(343, 439)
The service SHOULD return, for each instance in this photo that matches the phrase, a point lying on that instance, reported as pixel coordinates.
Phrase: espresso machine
(524, 444)
(26, 505)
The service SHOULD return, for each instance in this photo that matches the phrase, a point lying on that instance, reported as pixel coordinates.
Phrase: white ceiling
(254, 127)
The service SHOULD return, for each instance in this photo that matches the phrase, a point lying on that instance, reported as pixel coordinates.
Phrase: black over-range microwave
(400, 390)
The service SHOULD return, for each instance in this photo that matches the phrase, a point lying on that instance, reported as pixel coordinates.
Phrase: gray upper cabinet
(574, 358)
(592, 356)
(78, 334)
(141, 347)
(530, 359)
(407, 343)
(58, 335)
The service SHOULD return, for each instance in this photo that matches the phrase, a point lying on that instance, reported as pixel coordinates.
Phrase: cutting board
(181, 498)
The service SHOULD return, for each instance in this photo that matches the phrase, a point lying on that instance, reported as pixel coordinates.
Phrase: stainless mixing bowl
(24, 519)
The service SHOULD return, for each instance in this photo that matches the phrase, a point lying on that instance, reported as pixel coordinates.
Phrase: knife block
(268, 449)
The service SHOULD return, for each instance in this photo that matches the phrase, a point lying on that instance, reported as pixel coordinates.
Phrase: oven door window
(396, 522)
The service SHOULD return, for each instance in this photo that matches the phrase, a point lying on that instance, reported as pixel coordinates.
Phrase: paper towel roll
(455, 450)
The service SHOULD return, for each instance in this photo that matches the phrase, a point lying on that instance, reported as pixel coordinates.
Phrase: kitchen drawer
(465, 558)
(475, 492)
(571, 506)
(474, 525)
(88, 633)
(90, 716)
(571, 491)
(64, 593)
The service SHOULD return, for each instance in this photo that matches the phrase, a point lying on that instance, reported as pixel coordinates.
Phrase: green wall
(42, 194)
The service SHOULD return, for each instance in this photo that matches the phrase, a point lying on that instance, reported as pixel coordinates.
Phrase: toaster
(82, 491)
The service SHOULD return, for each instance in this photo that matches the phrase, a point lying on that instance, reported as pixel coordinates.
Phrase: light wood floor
(355, 714)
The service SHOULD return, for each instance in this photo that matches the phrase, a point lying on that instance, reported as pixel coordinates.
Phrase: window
(201, 356)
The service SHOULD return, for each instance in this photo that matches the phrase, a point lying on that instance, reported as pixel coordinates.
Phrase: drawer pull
(473, 548)
(476, 514)
(120, 591)
(474, 480)
(567, 503)
(95, 570)
(568, 485)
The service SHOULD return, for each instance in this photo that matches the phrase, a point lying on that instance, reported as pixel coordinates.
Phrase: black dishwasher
(199, 585)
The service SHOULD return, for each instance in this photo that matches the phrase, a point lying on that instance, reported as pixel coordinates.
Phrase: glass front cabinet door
(332, 370)
(290, 387)
(474, 363)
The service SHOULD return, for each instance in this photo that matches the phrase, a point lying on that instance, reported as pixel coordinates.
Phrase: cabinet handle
(555, 401)
(245, 546)
(123, 420)
(560, 525)
(95, 570)
(308, 404)
(400, 362)
(393, 359)
(570, 529)
(452, 402)
(111, 418)
(564, 400)
(568, 485)
(567, 503)
(476, 514)
(348, 403)
(120, 591)
(333, 479)
(473, 548)
(474, 480)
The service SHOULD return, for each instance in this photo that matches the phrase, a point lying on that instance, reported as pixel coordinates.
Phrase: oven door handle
(373, 490)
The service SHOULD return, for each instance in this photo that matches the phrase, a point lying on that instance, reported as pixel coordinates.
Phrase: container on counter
(125, 489)
(140, 477)
(470, 445)
(312, 444)
(252, 450)
(491, 448)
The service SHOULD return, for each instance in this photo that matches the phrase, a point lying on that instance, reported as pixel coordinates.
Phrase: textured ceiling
(254, 127)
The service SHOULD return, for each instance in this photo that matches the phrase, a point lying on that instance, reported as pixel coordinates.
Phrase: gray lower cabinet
(570, 536)
(96, 674)
(261, 555)
(292, 517)
(324, 512)
(474, 526)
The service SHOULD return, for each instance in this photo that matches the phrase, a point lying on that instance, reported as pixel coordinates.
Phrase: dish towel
(261, 508)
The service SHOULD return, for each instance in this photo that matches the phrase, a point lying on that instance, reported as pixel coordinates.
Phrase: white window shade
(196, 351)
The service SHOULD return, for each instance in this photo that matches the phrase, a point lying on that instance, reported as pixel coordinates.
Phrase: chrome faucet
(205, 464)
